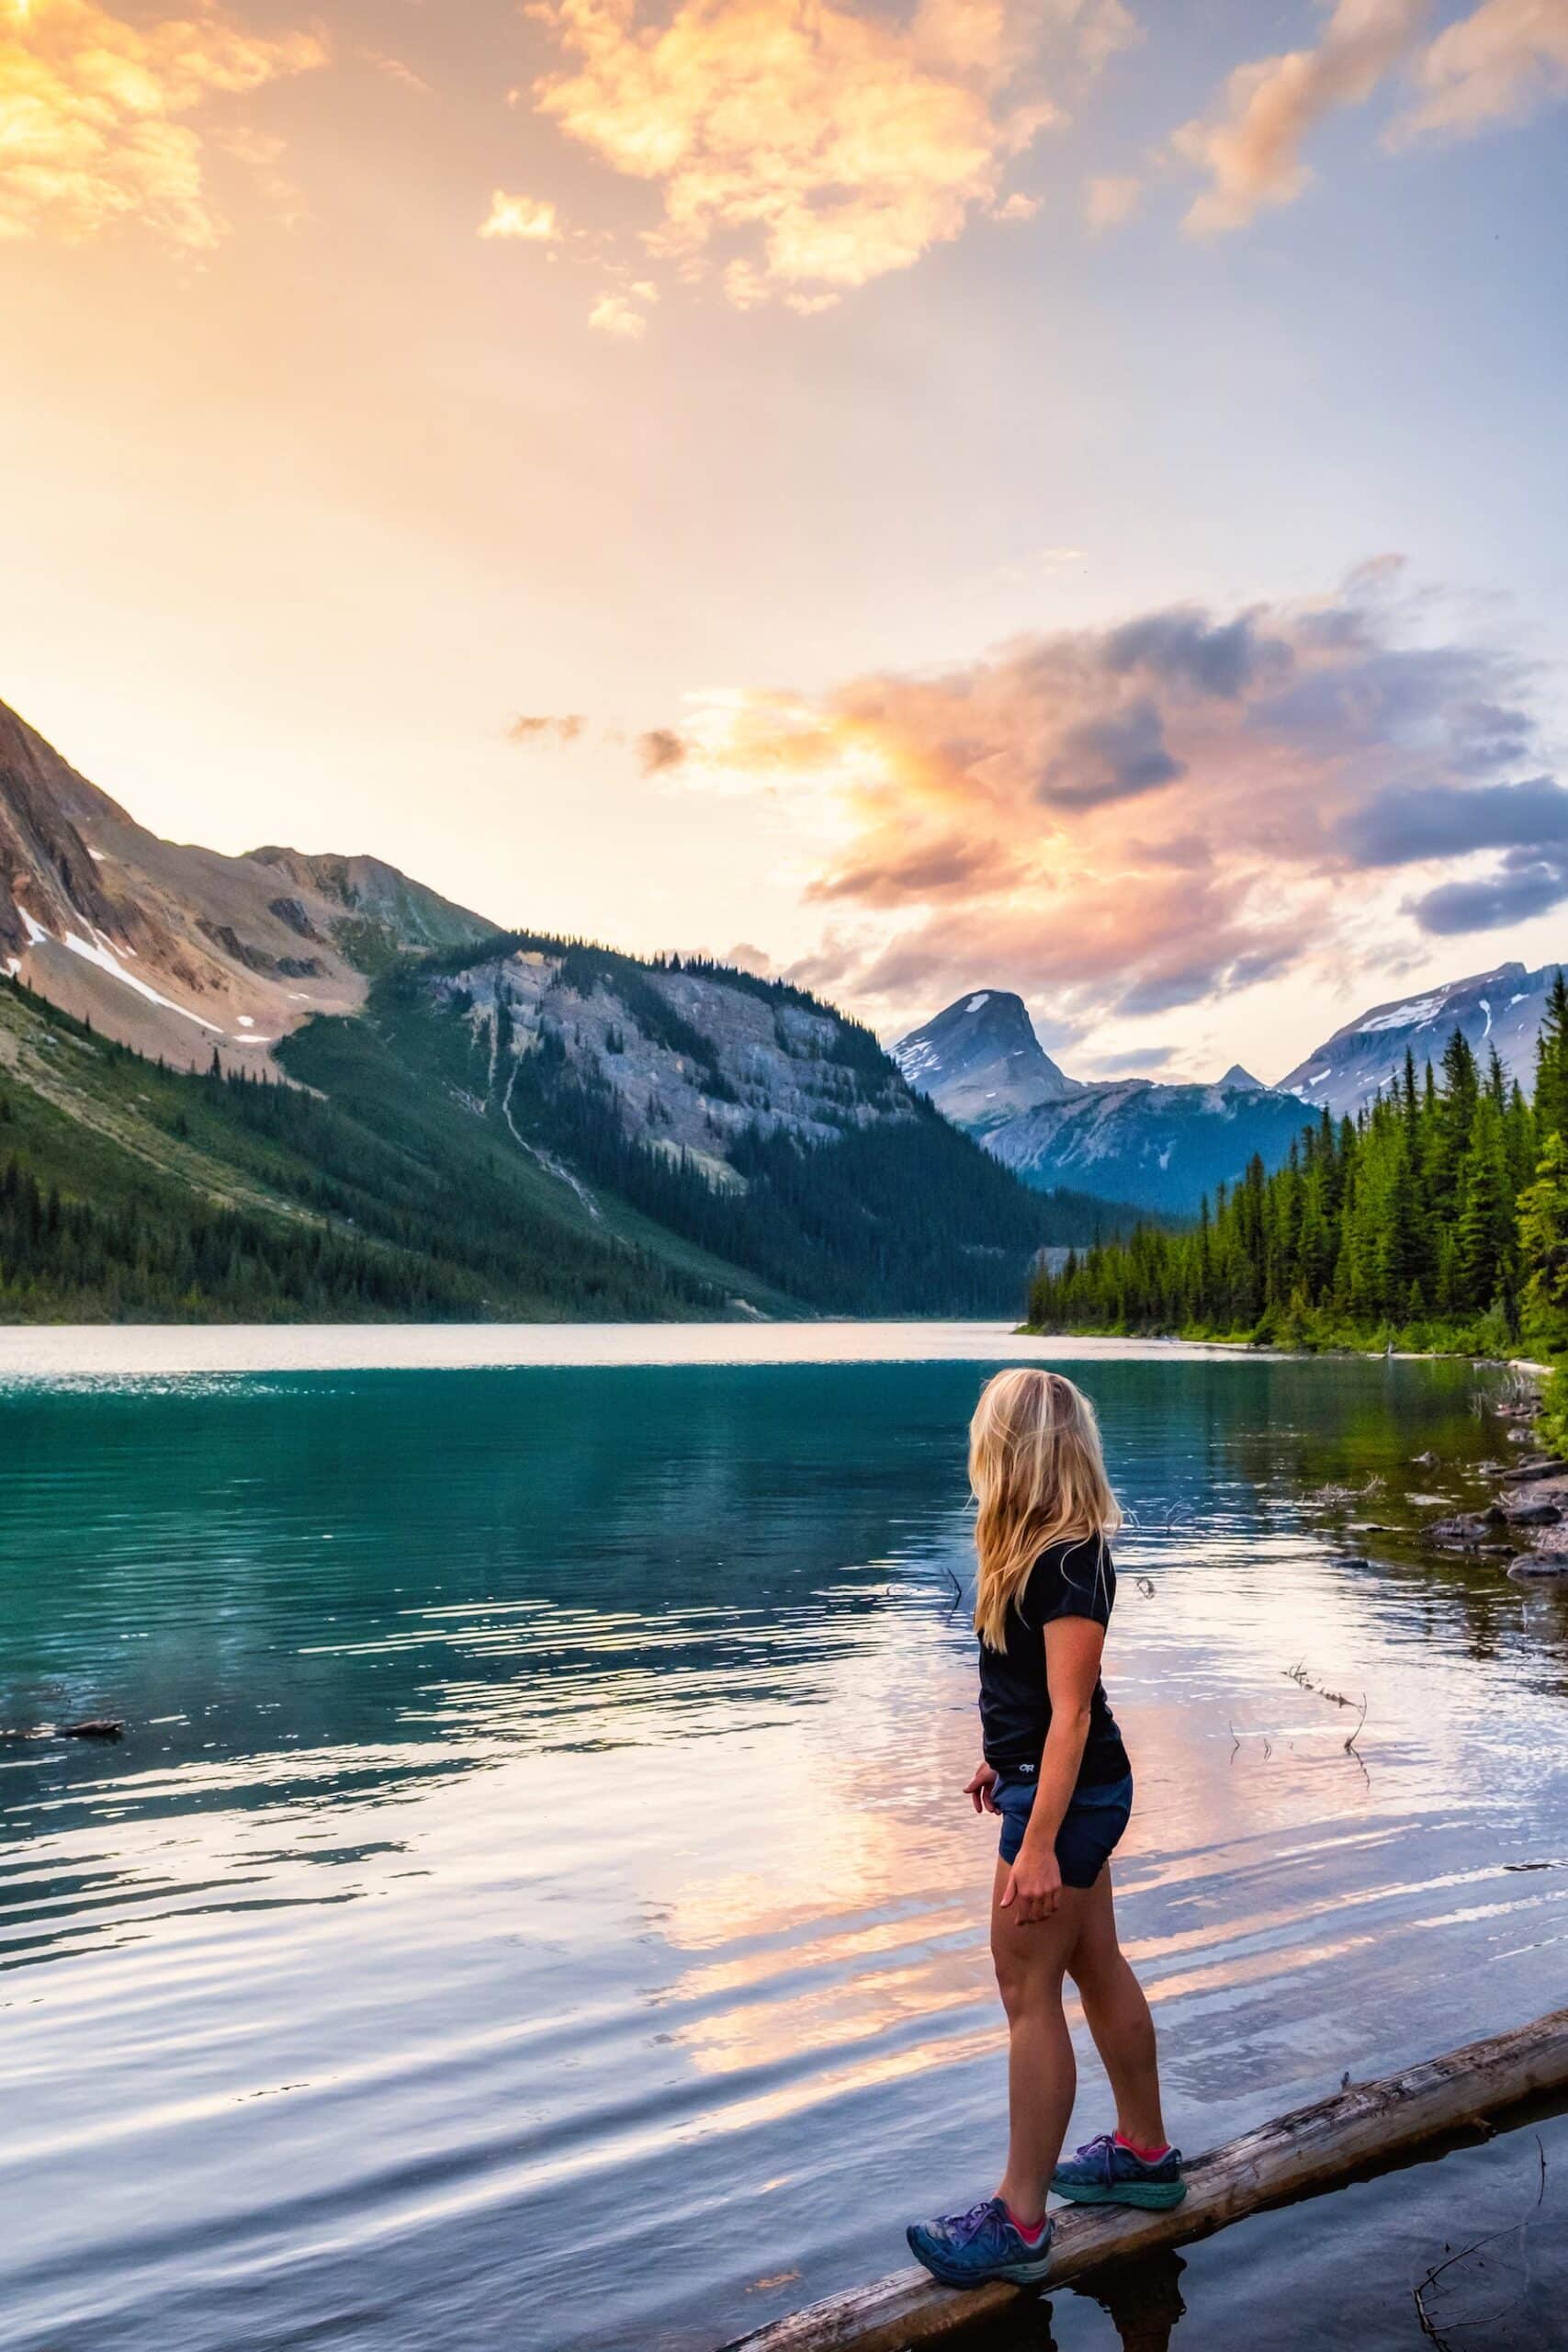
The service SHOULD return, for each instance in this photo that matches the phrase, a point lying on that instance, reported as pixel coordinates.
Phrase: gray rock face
(1501, 1008)
(981, 1063)
(764, 1065)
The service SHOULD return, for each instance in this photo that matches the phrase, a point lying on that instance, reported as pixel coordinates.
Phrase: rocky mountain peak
(180, 951)
(980, 1061)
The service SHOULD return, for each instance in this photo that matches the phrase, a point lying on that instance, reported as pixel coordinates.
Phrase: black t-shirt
(1076, 1580)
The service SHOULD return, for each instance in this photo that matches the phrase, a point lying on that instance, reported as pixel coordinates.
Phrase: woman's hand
(980, 1788)
(1034, 1889)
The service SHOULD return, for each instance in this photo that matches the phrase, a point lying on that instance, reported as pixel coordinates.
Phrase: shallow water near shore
(532, 1907)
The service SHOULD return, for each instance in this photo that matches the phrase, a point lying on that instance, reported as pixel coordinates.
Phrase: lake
(532, 1905)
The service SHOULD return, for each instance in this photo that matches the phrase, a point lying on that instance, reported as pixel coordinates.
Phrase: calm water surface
(532, 1907)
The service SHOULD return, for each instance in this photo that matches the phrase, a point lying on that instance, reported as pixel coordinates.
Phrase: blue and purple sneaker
(969, 2249)
(1106, 2172)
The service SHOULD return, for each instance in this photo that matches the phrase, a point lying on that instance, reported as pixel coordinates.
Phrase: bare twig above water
(1299, 1675)
(1336, 1498)
(1440, 2332)
(1158, 1518)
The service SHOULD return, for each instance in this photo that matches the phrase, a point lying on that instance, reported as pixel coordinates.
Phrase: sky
(1065, 495)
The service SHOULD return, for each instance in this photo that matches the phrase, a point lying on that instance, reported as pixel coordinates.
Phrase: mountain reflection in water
(532, 1905)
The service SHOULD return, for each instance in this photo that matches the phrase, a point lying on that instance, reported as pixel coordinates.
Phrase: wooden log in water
(1312, 2149)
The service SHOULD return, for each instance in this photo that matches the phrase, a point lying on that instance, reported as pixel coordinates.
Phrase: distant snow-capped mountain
(1157, 1145)
(1137, 1140)
(1501, 1008)
(981, 1062)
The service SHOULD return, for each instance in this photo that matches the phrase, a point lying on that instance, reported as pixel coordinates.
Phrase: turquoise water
(532, 1905)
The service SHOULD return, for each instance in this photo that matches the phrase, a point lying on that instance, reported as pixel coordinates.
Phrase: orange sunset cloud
(95, 112)
(1501, 61)
(1136, 816)
(840, 146)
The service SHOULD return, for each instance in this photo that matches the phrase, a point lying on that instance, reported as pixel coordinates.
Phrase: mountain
(1501, 1008)
(177, 950)
(1159, 1147)
(1136, 1144)
(981, 1062)
(289, 1084)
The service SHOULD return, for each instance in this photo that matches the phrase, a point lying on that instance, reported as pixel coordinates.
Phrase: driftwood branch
(1315, 2148)
(1433, 2329)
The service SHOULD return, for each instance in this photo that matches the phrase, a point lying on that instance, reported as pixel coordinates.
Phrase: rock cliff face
(177, 950)
(1501, 1008)
(694, 1059)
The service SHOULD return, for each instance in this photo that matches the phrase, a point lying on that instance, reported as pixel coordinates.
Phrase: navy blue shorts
(1090, 1831)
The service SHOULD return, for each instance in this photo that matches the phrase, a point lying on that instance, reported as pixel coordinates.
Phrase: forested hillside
(1436, 1217)
(533, 1130)
(740, 1117)
(130, 1191)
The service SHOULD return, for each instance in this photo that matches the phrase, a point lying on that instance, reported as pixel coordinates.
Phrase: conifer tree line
(1438, 1216)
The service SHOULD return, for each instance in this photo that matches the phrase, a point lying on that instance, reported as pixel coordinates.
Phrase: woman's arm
(1073, 1647)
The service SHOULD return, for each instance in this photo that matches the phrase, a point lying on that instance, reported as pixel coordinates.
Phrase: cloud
(1251, 147)
(1411, 822)
(528, 217)
(92, 116)
(1316, 781)
(613, 314)
(839, 143)
(1523, 885)
(1135, 1063)
(659, 749)
(1110, 758)
(528, 727)
(1501, 63)
(1110, 201)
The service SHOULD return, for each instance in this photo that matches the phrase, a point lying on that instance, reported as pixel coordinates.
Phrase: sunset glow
(694, 475)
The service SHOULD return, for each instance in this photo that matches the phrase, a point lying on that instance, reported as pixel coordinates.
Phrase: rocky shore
(1526, 1522)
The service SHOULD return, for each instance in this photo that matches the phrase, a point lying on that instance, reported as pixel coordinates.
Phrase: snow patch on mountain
(1501, 1009)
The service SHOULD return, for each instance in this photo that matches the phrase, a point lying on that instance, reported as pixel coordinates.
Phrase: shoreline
(40, 1353)
(1271, 1351)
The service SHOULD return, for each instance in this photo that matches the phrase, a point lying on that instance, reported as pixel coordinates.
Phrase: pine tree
(1487, 1232)
(1552, 1061)
(1543, 1237)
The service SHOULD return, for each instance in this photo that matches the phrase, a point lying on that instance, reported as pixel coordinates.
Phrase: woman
(1055, 1771)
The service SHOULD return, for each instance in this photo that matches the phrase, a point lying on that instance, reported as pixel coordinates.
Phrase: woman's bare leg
(1042, 2074)
(1118, 2016)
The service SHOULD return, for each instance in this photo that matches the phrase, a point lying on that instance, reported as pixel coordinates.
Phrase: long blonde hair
(1038, 1473)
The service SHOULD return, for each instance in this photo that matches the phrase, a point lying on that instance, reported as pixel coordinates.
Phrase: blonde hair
(1038, 1473)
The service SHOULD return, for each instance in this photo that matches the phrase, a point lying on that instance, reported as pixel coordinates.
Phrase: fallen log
(1314, 2148)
